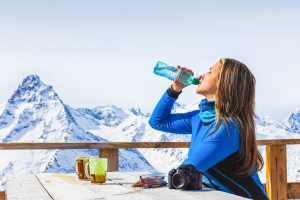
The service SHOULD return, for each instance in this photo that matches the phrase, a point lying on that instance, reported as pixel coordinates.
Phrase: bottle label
(184, 77)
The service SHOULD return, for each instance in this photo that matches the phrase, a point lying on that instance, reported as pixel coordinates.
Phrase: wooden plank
(128, 178)
(25, 187)
(293, 190)
(2, 195)
(113, 190)
(276, 172)
(115, 145)
(62, 186)
(113, 158)
(117, 187)
(91, 145)
(278, 142)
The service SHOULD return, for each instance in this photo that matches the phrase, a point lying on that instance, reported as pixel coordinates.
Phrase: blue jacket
(210, 151)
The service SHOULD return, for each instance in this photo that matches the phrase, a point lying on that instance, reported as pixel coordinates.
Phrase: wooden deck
(2, 195)
(276, 160)
(117, 187)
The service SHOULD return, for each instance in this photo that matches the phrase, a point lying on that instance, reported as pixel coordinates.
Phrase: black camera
(185, 177)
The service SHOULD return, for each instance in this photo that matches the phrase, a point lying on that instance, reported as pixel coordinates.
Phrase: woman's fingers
(189, 70)
(185, 69)
(178, 84)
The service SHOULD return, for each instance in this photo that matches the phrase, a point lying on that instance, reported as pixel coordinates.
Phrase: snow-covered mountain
(35, 113)
(293, 122)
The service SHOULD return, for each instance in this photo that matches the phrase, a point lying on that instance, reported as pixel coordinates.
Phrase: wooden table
(48, 186)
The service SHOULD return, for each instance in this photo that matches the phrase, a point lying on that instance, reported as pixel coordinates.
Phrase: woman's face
(208, 82)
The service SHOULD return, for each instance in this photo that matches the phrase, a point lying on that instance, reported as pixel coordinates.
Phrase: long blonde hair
(235, 99)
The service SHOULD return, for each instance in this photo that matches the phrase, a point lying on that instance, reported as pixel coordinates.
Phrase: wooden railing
(276, 159)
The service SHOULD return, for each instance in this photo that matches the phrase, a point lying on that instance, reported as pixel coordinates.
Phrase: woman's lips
(201, 79)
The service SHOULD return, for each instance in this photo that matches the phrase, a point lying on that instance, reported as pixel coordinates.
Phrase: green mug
(95, 169)
(80, 166)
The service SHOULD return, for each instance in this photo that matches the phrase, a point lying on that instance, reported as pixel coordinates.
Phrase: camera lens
(178, 180)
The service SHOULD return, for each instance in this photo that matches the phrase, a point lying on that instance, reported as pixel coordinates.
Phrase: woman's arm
(163, 120)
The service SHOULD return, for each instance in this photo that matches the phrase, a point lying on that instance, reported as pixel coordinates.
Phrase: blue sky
(103, 52)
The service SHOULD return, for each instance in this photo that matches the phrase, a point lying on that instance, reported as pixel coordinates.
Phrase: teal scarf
(207, 111)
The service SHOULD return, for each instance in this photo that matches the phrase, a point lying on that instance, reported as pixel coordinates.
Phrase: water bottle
(173, 73)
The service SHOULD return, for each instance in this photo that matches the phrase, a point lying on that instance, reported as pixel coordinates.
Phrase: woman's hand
(176, 85)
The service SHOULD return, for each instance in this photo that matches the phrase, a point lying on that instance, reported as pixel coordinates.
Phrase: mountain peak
(293, 122)
(31, 81)
(32, 89)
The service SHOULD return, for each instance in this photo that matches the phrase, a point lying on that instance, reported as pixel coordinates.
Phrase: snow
(5, 131)
(293, 122)
(2, 106)
(35, 113)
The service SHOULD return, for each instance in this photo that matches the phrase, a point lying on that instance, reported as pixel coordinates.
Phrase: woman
(223, 146)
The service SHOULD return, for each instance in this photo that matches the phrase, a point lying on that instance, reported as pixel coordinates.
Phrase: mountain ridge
(35, 113)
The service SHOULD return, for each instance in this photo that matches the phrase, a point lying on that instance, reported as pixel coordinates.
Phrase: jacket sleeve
(163, 120)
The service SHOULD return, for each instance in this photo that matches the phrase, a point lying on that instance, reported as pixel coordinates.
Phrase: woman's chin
(199, 91)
